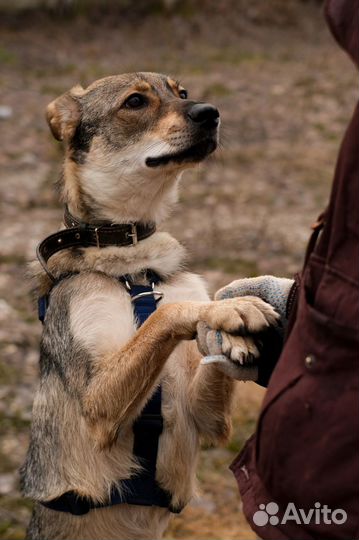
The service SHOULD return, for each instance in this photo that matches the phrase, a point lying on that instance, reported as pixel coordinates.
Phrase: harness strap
(141, 489)
(42, 305)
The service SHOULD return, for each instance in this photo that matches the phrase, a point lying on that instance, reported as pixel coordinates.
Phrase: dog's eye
(183, 94)
(135, 101)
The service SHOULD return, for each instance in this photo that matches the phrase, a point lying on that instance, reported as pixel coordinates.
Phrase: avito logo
(267, 513)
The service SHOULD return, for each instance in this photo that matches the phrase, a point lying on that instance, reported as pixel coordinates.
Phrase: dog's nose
(204, 114)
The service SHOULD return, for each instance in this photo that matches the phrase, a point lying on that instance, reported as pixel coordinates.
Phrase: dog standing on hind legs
(127, 139)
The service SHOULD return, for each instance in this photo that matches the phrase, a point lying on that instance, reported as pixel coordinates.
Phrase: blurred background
(285, 93)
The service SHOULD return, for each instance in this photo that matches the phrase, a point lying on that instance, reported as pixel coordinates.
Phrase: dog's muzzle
(204, 120)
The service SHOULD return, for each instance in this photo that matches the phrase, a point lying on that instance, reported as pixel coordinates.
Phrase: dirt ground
(285, 92)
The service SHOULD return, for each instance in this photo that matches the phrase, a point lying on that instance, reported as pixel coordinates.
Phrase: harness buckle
(157, 295)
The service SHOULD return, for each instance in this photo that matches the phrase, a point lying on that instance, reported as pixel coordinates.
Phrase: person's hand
(223, 333)
(234, 355)
(237, 356)
(230, 345)
(272, 290)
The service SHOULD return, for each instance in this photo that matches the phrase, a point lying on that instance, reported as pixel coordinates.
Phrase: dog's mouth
(195, 153)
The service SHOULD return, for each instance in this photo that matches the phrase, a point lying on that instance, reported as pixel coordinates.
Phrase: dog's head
(129, 131)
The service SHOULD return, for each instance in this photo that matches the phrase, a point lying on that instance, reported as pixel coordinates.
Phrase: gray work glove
(272, 290)
(224, 349)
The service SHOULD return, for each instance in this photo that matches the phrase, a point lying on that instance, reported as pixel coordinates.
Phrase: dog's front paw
(233, 355)
(240, 349)
(244, 315)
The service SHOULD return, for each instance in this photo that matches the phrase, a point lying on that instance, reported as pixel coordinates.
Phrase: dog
(127, 140)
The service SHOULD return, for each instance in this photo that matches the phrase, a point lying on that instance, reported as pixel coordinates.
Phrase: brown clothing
(306, 447)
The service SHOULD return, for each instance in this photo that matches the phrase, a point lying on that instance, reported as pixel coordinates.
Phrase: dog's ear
(64, 114)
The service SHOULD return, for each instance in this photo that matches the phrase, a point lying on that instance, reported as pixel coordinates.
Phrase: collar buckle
(97, 238)
(133, 234)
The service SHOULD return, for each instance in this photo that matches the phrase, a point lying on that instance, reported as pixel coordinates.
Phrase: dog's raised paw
(239, 349)
(244, 315)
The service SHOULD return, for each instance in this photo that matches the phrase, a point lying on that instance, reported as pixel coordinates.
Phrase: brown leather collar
(101, 234)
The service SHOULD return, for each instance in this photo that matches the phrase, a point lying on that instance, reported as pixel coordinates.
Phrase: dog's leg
(210, 396)
(121, 381)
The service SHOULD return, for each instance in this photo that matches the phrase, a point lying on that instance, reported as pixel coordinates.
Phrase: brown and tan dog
(127, 139)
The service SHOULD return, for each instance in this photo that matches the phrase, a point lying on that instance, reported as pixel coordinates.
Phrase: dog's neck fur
(160, 252)
(119, 193)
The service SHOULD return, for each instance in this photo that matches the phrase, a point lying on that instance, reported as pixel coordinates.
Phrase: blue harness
(142, 488)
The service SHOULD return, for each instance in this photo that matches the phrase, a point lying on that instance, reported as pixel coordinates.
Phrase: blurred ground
(285, 93)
